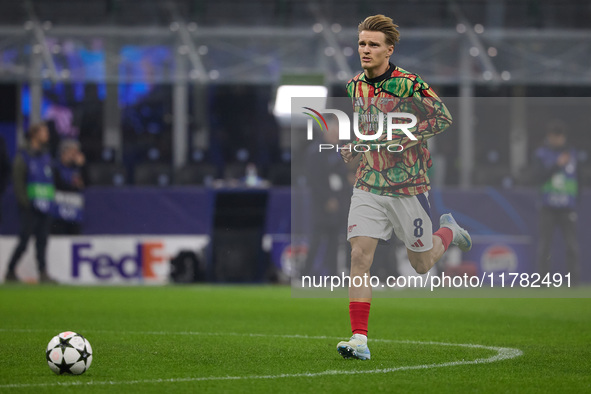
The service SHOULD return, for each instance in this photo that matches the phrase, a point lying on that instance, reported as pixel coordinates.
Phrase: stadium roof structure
(191, 43)
(262, 54)
(99, 41)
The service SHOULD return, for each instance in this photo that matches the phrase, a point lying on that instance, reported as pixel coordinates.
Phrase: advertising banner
(502, 254)
(133, 259)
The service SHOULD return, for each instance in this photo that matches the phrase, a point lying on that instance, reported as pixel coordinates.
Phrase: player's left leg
(27, 223)
(568, 223)
(422, 262)
(449, 233)
(42, 229)
(411, 219)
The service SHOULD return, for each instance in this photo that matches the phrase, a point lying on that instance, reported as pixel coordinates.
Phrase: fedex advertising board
(104, 259)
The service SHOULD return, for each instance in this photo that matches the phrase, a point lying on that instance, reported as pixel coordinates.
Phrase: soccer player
(391, 188)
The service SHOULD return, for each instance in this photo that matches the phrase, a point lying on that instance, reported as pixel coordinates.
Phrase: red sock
(446, 236)
(359, 314)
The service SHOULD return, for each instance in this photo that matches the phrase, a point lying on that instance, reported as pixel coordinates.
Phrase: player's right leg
(568, 223)
(367, 224)
(42, 229)
(546, 226)
(362, 253)
(27, 227)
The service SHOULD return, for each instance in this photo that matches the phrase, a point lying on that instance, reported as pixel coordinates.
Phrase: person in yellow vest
(4, 170)
(34, 189)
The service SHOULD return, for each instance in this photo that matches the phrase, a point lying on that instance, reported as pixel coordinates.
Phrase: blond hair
(381, 23)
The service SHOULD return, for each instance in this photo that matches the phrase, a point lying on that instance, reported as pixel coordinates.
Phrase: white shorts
(375, 216)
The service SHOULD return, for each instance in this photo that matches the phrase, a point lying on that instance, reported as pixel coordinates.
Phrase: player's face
(374, 53)
(556, 140)
(42, 135)
(68, 155)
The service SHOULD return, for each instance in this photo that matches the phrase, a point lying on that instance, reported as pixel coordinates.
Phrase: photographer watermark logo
(371, 121)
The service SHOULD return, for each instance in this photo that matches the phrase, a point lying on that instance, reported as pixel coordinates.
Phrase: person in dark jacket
(330, 198)
(69, 184)
(557, 172)
(32, 177)
(4, 170)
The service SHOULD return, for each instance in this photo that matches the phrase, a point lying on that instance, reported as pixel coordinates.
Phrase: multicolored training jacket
(383, 171)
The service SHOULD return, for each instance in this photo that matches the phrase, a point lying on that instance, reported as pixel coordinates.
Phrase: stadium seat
(107, 174)
(195, 174)
(492, 175)
(586, 175)
(235, 170)
(237, 256)
(156, 174)
(280, 174)
(527, 177)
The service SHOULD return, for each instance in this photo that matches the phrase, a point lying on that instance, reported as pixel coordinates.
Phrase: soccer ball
(69, 352)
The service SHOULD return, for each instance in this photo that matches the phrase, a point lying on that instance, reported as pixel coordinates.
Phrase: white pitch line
(502, 353)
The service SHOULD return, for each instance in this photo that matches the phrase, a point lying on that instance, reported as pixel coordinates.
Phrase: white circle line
(502, 353)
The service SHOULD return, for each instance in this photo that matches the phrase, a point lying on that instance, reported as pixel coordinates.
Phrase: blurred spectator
(557, 172)
(327, 179)
(4, 170)
(69, 184)
(251, 177)
(33, 186)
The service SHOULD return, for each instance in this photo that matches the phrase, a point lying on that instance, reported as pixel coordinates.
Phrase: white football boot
(356, 347)
(461, 237)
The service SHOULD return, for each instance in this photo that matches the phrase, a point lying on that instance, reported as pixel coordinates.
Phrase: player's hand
(79, 159)
(563, 159)
(78, 182)
(332, 205)
(347, 153)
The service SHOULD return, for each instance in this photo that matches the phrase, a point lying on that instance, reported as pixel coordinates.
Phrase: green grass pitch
(253, 339)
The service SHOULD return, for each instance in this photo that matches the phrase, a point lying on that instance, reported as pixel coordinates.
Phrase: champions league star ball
(69, 353)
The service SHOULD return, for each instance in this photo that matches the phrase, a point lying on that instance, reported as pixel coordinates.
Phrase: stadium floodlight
(282, 108)
(306, 85)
